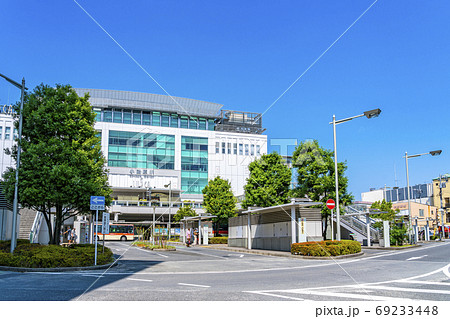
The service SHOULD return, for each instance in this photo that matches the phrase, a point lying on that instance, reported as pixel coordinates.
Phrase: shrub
(218, 240)
(326, 248)
(52, 256)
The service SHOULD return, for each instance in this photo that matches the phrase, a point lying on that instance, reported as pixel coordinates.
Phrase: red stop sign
(331, 204)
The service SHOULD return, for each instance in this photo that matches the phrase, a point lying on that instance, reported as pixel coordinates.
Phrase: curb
(62, 269)
(391, 248)
(283, 254)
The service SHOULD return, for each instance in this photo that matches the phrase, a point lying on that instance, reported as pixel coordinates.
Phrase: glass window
(211, 125)
(156, 119)
(184, 122)
(146, 118)
(98, 114)
(421, 213)
(137, 117)
(107, 115)
(217, 147)
(252, 150)
(258, 150)
(15, 133)
(229, 148)
(165, 120)
(235, 148)
(117, 116)
(202, 124)
(241, 149)
(7, 133)
(174, 120)
(223, 147)
(127, 116)
(193, 123)
(246, 149)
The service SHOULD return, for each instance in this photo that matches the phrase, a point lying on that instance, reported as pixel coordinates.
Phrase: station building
(158, 146)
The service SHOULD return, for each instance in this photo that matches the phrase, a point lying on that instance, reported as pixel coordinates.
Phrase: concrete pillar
(199, 231)
(293, 233)
(249, 231)
(368, 229)
(387, 240)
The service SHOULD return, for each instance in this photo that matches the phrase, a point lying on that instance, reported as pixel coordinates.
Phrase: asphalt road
(202, 274)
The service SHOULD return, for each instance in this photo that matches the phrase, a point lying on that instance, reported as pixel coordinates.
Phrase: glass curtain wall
(194, 164)
(141, 150)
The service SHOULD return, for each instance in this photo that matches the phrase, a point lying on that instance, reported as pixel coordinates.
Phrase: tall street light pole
(369, 114)
(432, 153)
(16, 186)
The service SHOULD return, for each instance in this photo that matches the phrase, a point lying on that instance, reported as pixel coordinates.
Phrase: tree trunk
(324, 233)
(57, 227)
(48, 218)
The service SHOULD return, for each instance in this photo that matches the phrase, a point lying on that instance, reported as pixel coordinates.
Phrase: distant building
(444, 185)
(420, 193)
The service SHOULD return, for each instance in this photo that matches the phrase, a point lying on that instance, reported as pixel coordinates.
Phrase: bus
(117, 232)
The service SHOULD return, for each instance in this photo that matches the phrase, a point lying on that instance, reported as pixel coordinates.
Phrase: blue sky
(245, 54)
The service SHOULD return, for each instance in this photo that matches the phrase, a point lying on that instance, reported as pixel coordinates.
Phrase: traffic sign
(97, 202)
(105, 223)
(331, 204)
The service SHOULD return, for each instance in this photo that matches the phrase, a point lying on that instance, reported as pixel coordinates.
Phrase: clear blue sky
(245, 54)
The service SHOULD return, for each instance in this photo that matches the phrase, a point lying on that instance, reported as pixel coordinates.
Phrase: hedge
(326, 248)
(218, 240)
(52, 256)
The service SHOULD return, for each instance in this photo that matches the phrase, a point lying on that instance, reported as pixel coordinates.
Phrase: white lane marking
(202, 286)
(135, 279)
(151, 252)
(428, 291)
(235, 255)
(446, 272)
(413, 258)
(426, 282)
(98, 276)
(274, 295)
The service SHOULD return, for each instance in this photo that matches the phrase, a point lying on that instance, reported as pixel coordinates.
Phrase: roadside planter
(149, 246)
(326, 248)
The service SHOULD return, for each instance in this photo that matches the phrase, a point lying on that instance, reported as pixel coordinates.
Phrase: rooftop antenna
(395, 177)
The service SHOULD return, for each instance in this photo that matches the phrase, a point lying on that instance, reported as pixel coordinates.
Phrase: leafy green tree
(397, 230)
(218, 200)
(185, 211)
(316, 176)
(268, 182)
(61, 163)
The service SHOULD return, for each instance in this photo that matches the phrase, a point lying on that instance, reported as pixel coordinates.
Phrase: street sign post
(97, 203)
(331, 205)
(105, 227)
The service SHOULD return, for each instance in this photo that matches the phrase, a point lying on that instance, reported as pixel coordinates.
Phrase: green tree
(61, 163)
(185, 211)
(385, 207)
(316, 176)
(268, 182)
(397, 229)
(218, 200)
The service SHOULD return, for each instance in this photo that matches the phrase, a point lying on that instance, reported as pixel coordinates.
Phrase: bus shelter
(276, 227)
(202, 222)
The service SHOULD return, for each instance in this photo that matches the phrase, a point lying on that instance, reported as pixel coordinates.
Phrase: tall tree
(316, 176)
(268, 182)
(61, 163)
(218, 199)
(185, 211)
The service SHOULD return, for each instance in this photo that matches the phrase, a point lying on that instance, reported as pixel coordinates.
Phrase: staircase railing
(36, 227)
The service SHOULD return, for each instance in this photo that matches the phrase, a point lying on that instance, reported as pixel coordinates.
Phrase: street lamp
(432, 153)
(170, 203)
(16, 186)
(369, 114)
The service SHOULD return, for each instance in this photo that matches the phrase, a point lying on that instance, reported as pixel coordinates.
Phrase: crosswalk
(432, 287)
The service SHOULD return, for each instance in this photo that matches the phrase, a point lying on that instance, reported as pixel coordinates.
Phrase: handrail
(36, 227)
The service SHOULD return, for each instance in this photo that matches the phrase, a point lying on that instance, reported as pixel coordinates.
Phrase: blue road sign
(97, 202)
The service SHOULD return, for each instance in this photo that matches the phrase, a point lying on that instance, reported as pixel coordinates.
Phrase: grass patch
(52, 256)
